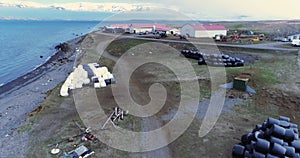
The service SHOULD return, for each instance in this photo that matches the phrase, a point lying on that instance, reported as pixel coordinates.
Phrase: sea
(24, 42)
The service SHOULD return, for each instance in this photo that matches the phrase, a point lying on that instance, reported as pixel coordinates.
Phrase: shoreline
(31, 76)
(24, 94)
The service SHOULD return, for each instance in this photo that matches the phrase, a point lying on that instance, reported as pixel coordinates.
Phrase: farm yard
(274, 75)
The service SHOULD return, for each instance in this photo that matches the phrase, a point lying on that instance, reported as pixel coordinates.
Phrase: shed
(240, 83)
(294, 37)
(203, 30)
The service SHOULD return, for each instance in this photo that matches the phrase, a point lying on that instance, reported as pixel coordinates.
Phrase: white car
(296, 42)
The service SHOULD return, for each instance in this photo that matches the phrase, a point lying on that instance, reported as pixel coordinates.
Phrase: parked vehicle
(296, 42)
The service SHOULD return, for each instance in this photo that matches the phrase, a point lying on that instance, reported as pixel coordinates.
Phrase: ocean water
(23, 42)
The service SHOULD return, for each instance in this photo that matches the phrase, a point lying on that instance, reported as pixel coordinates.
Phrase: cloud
(200, 10)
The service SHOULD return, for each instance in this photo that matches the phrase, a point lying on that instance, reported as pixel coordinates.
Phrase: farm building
(138, 28)
(203, 30)
(294, 36)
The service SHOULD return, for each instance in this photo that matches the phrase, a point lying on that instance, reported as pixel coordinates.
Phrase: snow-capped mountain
(79, 6)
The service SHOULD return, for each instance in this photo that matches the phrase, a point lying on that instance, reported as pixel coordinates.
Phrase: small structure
(80, 152)
(240, 83)
(203, 30)
(83, 152)
(117, 114)
(294, 37)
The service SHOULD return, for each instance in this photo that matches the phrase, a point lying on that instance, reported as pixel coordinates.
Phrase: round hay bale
(246, 138)
(257, 154)
(284, 124)
(276, 140)
(283, 118)
(259, 134)
(278, 150)
(247, 154)
(290, 151)
(249, 147)
(296, 145)
(238, 151)
(289, 135)
(271, 156)
(271, 121)
(292, 125)
(262, 145)
(277, 131)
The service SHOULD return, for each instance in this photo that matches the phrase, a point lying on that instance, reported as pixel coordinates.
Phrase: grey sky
(214, 9)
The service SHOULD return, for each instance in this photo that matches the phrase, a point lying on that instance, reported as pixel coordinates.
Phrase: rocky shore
(24, 94)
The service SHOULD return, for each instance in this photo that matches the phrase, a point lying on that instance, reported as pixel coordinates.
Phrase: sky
(214, 10)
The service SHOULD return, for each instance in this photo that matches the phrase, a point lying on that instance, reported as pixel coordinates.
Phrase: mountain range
(80, 6)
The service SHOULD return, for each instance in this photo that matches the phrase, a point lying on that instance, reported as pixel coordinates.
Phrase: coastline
(22, 95)
(34, 74)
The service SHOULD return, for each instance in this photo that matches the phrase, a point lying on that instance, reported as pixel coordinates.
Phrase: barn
(203, 30)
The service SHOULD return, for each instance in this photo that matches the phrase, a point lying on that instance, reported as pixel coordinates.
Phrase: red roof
(208, 27)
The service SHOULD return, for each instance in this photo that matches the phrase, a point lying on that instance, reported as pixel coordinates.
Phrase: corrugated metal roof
(208, 27)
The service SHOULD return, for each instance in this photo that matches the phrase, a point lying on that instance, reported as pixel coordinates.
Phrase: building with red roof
(203, 30)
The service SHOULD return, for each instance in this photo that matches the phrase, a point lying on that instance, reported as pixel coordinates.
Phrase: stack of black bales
(213, 59)
(272, 139)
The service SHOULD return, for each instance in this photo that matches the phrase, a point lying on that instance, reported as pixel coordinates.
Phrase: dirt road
(147, 124)
(266, 46)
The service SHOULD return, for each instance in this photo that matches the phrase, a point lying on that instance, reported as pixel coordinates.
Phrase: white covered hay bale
(86, 81)
(102, 84)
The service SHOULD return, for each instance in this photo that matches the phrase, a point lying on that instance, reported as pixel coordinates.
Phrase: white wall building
(294, 37)
(203, 30)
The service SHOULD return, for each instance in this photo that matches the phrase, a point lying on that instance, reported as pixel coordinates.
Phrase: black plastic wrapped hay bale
(271, 156)
(284, 124)
(262, 146)
(246, 138)
(277, 131)
(296, 145)
(289, 135)
(278, 150)
(274, 138)
(283, 118)
(257, 154)
(271, 121)
(290, 151)
(238, 151)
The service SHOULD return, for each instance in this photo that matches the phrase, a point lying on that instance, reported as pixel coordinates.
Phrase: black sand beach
(22, 95)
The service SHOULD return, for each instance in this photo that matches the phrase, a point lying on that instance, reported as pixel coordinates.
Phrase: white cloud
(202, 10)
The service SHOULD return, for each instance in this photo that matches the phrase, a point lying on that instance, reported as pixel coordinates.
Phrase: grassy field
(273, 75)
